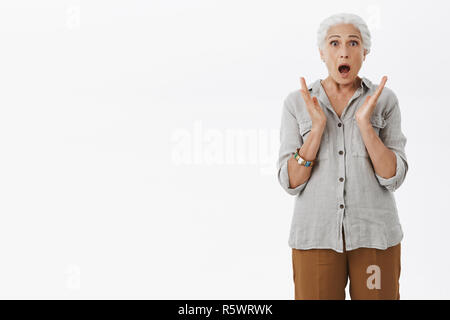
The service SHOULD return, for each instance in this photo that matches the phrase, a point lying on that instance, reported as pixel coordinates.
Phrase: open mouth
(344, 68)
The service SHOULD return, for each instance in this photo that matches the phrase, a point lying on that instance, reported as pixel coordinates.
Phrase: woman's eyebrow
(352, 36)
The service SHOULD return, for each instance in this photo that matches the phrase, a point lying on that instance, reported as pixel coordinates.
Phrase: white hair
(344, 18)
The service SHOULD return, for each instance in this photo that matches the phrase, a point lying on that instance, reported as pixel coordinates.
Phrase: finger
(316, 102)
(380, 88)
(303, 93)
(304, 88)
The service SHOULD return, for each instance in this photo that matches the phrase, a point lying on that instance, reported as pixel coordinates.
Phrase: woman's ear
(321, 55)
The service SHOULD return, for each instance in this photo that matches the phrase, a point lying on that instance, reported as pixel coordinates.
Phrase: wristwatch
(302, 161)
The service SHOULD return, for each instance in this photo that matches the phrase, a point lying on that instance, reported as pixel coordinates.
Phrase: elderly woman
(342, 155)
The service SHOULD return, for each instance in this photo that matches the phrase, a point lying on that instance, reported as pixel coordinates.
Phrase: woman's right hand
(318, 117)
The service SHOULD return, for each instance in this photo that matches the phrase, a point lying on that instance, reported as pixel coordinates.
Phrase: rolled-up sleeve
(290, 140)
(393, 138)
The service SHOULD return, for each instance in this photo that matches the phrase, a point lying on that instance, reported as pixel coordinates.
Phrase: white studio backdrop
(138, 142)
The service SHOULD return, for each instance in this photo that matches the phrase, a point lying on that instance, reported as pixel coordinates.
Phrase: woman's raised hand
(364, 113)
(318, 117)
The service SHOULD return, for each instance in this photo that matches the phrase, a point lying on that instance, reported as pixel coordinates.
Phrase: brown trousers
(322, 273)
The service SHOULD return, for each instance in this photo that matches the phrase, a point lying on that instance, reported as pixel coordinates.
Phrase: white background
(138, 142)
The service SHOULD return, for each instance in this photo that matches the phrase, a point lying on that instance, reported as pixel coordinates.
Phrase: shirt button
(339, 124)
(341, 152)
(341, 179)
(341, 206)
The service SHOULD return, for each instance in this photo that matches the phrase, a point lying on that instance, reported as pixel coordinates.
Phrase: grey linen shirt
(343, 192)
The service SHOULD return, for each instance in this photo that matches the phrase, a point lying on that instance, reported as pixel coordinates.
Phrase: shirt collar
(314, 87)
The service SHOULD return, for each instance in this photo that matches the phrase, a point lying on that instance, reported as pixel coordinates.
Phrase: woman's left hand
(364, 113)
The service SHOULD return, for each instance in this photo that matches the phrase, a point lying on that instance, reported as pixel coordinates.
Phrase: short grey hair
(344, 18)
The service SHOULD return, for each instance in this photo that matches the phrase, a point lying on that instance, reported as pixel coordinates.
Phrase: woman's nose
(344, 53)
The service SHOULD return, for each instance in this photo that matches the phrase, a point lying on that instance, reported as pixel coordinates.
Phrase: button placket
(341, 169)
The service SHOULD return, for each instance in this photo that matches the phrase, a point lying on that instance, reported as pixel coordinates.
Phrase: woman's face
(343, 45)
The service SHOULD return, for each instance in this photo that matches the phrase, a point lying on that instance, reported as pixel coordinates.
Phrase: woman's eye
(355, 42)
(333, 42)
